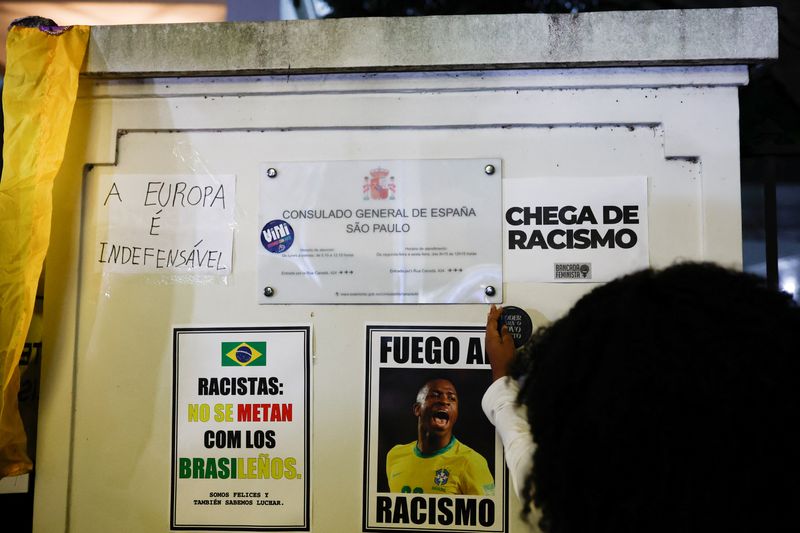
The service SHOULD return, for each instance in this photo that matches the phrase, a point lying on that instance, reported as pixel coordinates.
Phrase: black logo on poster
(573, 271)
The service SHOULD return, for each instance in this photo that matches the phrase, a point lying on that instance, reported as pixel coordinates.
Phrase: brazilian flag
(244, 354)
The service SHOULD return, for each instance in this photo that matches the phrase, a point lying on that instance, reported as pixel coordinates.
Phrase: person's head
(436, 408)
(667, 401)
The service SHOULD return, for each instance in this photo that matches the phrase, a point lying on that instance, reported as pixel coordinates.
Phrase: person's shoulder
(475, 469)
(399, 450)
(462, 450)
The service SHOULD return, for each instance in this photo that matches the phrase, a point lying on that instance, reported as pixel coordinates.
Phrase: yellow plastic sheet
(40, 87)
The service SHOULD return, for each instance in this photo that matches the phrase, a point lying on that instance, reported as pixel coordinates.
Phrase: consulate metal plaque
(402, 231)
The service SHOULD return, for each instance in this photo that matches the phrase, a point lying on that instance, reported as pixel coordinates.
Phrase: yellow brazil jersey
(455, 469)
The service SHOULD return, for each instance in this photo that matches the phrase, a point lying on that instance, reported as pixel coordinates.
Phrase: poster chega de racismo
(432, 460)
(575, 230)
(241, 428)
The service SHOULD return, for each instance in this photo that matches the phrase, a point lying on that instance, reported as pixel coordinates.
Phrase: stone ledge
(599, 39)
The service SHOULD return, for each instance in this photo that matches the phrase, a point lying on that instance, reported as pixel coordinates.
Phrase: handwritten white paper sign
(165, 224)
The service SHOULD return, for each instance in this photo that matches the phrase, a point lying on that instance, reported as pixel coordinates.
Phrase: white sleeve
(511, 422)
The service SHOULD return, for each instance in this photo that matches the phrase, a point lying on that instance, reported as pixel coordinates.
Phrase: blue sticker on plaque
(277, 236)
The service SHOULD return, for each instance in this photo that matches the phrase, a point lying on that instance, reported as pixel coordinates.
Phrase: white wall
(103, 461)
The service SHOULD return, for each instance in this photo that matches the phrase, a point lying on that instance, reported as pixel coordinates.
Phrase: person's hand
(499, 344)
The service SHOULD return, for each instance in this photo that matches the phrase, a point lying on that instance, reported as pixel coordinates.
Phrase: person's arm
(500, 403)
(390, 460)
(510, 420)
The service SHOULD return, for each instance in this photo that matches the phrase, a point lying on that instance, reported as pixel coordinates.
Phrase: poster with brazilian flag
(244, 353)
(241, 428)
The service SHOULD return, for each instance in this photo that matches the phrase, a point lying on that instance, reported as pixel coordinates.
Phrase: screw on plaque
(271, 172)
(269, 292)
(489, 169)
(489, 290)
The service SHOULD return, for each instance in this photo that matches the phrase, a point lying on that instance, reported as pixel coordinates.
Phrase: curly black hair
(667, 401)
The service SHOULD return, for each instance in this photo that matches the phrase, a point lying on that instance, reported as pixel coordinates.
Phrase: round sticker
(277, 236)
(519, 324)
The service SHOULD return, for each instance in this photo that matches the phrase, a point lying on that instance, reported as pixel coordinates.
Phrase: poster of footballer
(432, 460)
